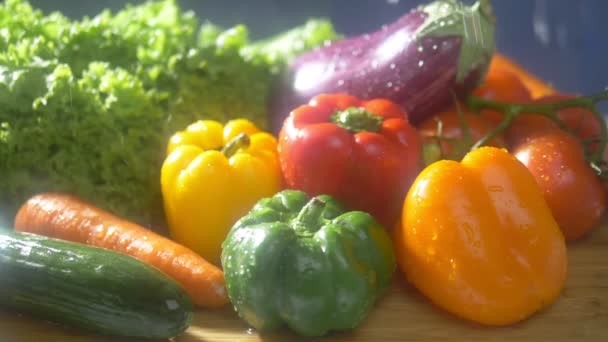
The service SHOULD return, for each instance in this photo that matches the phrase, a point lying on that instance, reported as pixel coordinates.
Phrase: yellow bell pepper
(212, 175)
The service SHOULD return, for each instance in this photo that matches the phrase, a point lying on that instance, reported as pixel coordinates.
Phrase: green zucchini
(89, 288)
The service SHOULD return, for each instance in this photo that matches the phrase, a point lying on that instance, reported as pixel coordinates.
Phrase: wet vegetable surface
(420, 61)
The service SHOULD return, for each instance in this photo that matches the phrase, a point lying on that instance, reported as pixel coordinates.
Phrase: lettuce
(87, 106)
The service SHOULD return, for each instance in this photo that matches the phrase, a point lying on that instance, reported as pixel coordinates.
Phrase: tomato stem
(597, 155)
(466, 133)
(510, 114)
(549, 110)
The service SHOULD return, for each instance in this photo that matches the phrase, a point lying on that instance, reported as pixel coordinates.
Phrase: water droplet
(340, 83)
(392, 66)
(374, 64)
(434, 46)
(250, 331)
(524, 226)
(495, 188)
(442, 23)
(389, 84)
(533, 241)
(171, 304)
(420, 48)
(420, 63)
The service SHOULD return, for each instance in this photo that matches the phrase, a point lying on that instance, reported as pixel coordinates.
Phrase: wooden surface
(580, 314)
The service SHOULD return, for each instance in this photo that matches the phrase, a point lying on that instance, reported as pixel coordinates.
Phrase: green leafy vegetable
(87, 106)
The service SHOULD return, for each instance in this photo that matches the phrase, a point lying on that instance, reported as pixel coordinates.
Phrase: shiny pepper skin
(479, 240)
(212, 176)
(306, 263)
(364, 153)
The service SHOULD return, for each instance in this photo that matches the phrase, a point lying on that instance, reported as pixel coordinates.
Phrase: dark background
(563, 41)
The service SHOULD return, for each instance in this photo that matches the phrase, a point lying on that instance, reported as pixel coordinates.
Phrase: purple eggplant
(420, 61)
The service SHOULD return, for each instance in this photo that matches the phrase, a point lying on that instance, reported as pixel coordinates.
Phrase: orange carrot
(69, 218)
(535, 85)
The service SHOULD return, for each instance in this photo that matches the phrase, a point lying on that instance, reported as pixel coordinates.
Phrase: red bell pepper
(364, 153)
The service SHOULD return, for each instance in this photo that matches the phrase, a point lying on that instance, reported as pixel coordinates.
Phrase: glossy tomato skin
(451, 128)
(584, 124)
(525, 127)
(368, 171)
(580, 121)
(571, 188)
(504, 86)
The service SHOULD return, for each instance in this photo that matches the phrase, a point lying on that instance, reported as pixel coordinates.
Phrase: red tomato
(580, 120)
(571, 188)
(504, 86)
(454, 148)
(525, 126)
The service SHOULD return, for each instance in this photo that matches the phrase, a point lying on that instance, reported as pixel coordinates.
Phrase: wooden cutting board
(580, 314)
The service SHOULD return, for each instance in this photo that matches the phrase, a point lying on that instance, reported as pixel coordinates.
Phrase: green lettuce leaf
(87, 106)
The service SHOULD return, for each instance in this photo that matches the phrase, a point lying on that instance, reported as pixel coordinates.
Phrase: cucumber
(90, 288)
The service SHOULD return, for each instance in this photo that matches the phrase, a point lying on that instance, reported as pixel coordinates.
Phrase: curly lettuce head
(86, 107)
(97, 136)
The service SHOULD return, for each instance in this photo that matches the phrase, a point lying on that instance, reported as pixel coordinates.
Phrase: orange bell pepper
(536, 86)
(479, 240)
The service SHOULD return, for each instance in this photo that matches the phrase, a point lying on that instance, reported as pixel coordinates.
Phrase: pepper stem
(356, 119)
(309, 218)
(240, 141)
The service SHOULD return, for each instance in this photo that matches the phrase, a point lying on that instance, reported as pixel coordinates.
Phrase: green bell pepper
(306, 263)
